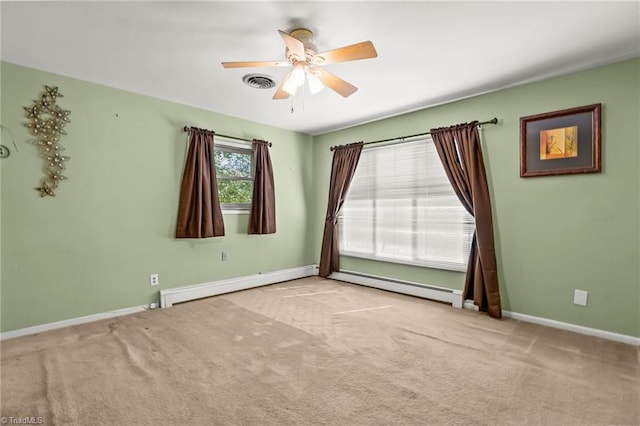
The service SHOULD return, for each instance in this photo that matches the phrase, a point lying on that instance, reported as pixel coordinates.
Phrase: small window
(234, 173)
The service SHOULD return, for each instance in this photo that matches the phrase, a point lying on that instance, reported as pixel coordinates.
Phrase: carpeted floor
(317, 352)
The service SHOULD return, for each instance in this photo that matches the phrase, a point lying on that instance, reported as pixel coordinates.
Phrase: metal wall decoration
(46, 122)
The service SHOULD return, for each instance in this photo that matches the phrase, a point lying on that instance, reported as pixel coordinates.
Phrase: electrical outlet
(153, 279)
(225, 256)
(580, 297)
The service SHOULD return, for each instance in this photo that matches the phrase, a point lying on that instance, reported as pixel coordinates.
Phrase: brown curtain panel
(345, 161)
(199, 213)
(461, 154)
(262, 218)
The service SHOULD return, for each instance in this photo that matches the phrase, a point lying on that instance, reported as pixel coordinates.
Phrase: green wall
(92, 247)
(553, 234)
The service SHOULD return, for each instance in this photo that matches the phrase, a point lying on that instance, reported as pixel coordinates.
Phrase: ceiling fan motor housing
(306, 37)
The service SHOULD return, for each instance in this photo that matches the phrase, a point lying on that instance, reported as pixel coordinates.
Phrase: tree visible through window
(234, 174)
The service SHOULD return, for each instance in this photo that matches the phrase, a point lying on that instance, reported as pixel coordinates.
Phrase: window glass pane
(234, 191)
(232, 164)
(355, 225)
(394, 229)
(444, 233)
(234, 173)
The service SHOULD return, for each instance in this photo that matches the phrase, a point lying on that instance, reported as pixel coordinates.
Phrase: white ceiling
(428, 52)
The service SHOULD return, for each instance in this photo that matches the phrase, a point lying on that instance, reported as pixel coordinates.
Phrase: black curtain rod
(187, 128)
(402, 138)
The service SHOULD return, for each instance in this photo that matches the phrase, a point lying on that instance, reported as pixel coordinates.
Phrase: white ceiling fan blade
(251, 64)
(280, 92)
(354, 52)
(334, 82)
(294, 45)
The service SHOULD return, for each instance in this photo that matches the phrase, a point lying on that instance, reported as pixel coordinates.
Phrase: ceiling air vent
(259, 81)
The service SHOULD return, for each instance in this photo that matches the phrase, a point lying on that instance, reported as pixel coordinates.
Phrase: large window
(234, 174)
(401, 208)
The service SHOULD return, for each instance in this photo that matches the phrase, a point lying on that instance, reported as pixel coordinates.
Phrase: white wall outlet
(153, 279)
(580, 297)
(225, 256)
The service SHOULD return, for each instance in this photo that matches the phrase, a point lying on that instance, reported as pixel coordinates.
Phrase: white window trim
(232, 211)
(445, 266)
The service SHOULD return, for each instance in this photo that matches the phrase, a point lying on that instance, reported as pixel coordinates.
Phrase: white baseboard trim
(616, 337)
(468, 304)
(622, 338)
(182, 294)
(171, 296)
(424, 291)
(174, 296)
(69, 322)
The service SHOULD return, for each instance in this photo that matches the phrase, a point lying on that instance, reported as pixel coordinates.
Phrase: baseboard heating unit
(184, 294)
(425, 291)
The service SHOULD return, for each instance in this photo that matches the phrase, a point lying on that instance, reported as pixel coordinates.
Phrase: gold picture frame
(561, 142)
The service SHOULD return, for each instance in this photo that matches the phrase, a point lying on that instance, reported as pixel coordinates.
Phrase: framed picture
(561, 142)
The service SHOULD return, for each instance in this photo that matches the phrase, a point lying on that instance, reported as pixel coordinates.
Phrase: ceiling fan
(301, 53)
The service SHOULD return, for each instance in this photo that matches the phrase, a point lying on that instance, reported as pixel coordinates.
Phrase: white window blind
(401, 208)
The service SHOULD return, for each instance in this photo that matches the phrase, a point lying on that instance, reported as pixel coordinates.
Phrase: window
(401, 208)
(234, 173)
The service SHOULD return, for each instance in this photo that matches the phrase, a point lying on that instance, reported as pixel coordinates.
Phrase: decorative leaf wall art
(46, 122)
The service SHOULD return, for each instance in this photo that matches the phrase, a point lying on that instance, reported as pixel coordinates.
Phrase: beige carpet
(318, 352)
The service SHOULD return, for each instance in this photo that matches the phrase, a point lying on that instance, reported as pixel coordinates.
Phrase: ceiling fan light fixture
(315, 85)
(298, 74)
(290, 86)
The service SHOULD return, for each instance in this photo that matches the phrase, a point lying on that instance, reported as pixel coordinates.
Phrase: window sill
(445, 266)
(234, 211)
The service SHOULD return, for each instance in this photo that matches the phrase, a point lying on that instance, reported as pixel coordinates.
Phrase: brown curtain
(199, 213)
(262, 218)
(461, 154)
(345, 161)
